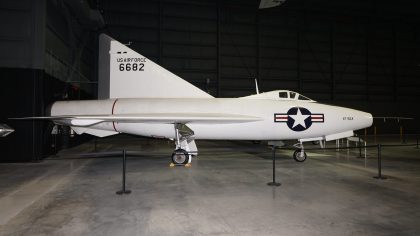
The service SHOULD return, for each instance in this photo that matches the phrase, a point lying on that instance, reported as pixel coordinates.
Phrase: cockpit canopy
(284, 95)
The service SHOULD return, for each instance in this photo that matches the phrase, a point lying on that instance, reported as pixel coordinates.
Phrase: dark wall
(22, 33)
(46, 56)
(70, 47)
(26, 93)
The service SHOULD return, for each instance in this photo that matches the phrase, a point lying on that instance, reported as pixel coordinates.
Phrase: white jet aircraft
(137, 96)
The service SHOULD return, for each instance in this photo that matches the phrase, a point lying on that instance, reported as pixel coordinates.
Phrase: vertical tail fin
(124, 73)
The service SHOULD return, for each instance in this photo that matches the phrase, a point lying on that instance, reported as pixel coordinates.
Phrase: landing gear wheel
(299, 155)
(180, 157)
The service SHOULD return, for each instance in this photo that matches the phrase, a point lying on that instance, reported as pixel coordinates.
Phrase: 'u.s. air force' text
(131, 64)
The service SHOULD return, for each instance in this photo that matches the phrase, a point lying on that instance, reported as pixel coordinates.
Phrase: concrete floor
(224, 193)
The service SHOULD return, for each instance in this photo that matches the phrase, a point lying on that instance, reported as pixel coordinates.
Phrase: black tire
(180, 157)
(298, 157)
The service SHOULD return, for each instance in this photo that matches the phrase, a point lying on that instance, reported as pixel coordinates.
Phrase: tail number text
(131, 66)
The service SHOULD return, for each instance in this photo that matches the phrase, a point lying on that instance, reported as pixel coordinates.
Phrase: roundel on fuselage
(298, 118)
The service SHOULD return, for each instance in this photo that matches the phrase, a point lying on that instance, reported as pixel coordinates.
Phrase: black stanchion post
(95, 143)
(123, 191)
(274, 183)
(360, 148)
(379, 163)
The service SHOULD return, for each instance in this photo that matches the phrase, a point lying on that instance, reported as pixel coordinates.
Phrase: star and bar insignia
(298, 118)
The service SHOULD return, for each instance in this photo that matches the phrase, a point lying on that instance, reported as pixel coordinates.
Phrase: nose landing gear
(299, 155)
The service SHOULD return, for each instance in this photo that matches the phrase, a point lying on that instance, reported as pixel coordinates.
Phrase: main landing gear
(180, 157)
(300, 154)
(185, 146)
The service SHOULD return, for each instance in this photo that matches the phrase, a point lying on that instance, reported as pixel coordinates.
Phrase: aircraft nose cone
(366, 119)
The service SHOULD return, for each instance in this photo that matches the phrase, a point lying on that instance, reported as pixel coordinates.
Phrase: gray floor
(224, 193)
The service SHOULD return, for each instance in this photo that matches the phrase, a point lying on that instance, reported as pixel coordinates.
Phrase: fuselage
(279, 120)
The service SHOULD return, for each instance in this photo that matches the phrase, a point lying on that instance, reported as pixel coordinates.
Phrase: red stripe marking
(112, 113)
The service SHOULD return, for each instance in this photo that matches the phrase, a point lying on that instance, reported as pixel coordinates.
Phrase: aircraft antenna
(256, 86)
